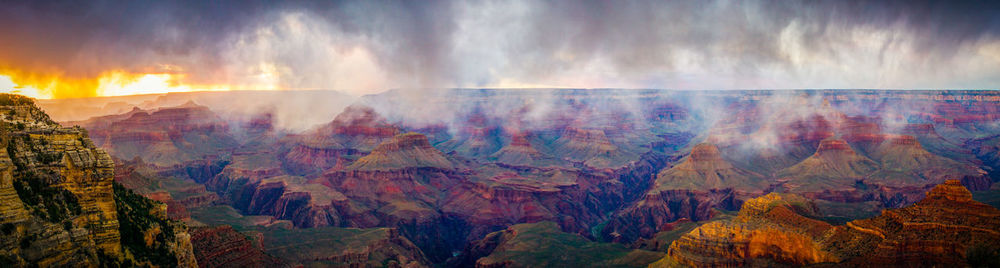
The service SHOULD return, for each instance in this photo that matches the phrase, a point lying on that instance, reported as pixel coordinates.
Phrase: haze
(109, 48)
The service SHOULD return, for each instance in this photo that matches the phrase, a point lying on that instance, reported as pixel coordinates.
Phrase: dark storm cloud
(366, 46)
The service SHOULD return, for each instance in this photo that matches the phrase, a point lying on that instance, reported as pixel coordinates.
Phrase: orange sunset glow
(112, 83)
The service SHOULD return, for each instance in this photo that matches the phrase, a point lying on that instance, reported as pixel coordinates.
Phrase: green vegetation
(8, 228)
(136, 218)
(14, 100)
(543, 244)
(18, 100)
(226, 215)
(838, 213)
(310, 247)
(661, 241)
(54, 204)
(108, 261)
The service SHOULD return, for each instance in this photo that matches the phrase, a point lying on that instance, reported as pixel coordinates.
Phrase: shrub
(8, 228)
(135, 217)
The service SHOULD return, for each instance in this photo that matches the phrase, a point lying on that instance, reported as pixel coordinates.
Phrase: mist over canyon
(546, 177)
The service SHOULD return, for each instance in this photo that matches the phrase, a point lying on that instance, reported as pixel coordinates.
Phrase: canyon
(508, 178)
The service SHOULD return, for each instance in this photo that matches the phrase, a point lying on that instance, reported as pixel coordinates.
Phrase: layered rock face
(478, 137)
(702, 182)
(166, 136)
(495, 196)
(835, 163)
(596, 147)
(354, 132)
(222, 246)
(519, 152)
(54, 178)
(410, 150)
(59, 206)
(941, 229)
(905, 162)
(704, 169)
(767, 229)
(291, 198)
(399, 184)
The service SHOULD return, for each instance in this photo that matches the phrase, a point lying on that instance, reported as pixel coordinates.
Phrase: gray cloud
(368, 46)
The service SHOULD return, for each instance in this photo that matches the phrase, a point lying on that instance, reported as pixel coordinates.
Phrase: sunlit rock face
(940, 229)
(773, 229)
(767, 229)
(60, 206)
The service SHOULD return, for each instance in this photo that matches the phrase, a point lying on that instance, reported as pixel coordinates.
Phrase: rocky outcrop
(290, 198)
(54, 178)
(702, 182)
(834, 161)
(767, 229)
(652, 214)
(592, 147)
(940, 230)
(519, 152)
(61, 206)
(409, 150)
(166, 136)
(352, 134)
(906, 163)
(222, 246)
(704, 169)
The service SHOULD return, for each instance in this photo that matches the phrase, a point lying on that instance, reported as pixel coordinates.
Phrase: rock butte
(777, 228)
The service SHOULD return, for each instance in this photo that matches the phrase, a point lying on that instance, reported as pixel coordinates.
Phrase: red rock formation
(705, 169)
(175, 210)
(767, 229)
(937, 231)
(519, 152)
(224, 247)
(834, 165)
(410, 150)
(164, 137)
(354, 132)
(290, 198)
(655, 210)
(477, 137)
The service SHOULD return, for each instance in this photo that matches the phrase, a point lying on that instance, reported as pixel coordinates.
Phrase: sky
(62, 49)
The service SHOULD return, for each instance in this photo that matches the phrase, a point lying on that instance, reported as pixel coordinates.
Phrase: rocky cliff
(943, 229)
(947, 228)
(767, 229)
(60, 205)
(692, 189)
